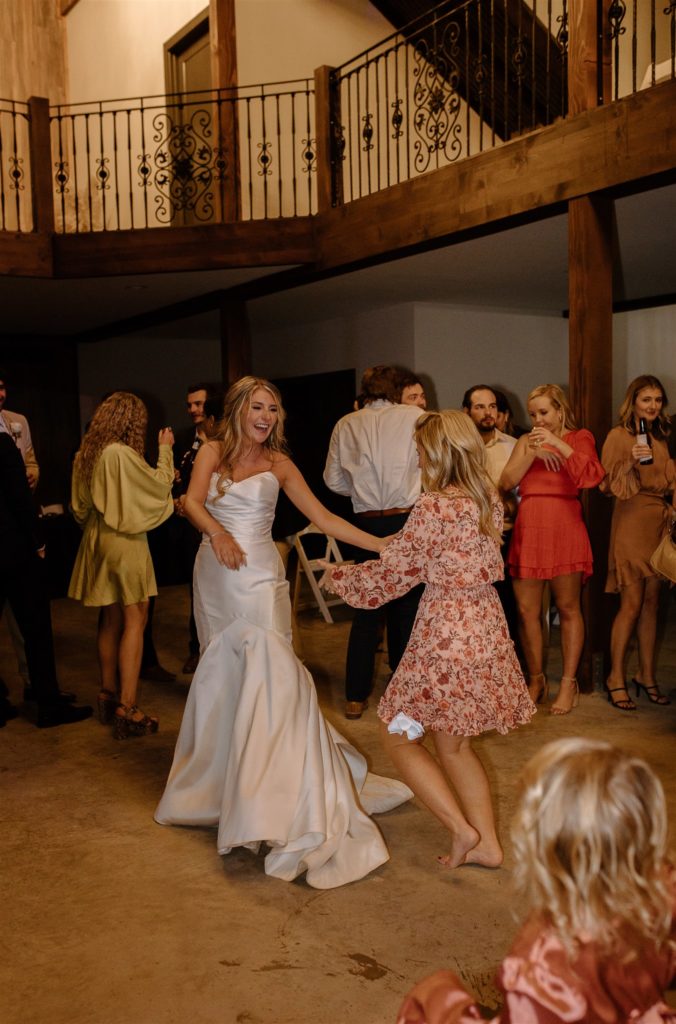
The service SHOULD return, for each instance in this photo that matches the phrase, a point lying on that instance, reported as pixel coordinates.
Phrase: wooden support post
(327, 125)
(41, 165)
(223, 39)
(590, 340)
(235, 341)
(590, 331)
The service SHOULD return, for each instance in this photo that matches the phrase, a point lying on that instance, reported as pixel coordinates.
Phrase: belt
(373, 513)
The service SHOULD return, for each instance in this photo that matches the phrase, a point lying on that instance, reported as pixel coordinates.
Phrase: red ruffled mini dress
(550, 538)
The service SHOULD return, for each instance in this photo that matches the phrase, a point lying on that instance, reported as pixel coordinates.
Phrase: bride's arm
(224, 546)
(294, 486)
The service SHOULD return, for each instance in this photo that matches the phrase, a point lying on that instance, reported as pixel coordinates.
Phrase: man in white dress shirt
(480, 404)
(373, 460)
(16, 425)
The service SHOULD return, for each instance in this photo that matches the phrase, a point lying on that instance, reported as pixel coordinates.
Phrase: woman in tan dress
(640, 517)
(116, 497)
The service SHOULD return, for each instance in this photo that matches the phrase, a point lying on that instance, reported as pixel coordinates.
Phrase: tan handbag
(663, 558)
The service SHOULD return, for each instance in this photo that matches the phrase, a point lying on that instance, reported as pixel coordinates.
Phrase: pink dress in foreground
(540, 985)
(459, 673)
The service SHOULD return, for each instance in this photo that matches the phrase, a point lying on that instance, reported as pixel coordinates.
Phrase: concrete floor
(109, 918)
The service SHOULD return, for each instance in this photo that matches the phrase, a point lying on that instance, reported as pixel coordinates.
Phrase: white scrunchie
(401, 724)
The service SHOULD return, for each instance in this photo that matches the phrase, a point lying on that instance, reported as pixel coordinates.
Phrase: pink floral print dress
(459, 673)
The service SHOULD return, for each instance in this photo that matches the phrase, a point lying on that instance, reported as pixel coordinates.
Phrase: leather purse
(663, 558)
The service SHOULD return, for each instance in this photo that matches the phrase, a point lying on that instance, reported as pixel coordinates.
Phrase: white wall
(644, 341)
(296, 349)
(158, 364)
(279, 40)
(458, 347)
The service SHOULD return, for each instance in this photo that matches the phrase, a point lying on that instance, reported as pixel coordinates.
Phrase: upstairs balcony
(268, 174)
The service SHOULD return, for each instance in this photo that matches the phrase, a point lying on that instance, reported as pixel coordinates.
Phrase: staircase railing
(16, 209)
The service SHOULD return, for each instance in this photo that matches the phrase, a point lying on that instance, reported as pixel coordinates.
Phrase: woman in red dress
(598, 942)
(550, 542)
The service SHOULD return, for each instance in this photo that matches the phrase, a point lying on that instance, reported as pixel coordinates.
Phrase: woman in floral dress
(459, 675)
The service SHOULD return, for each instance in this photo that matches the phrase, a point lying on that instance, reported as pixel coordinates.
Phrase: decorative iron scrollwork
(397, 119)
(182, 167)
(220, 165)
(61, 177)
(103, 174)
(309, 156)
(519, 57)
(367, 132)
(616, 14)
(16, 174)
(436, 98)
(338, 147)
(562, 33)
(264, 159)
(479, 72)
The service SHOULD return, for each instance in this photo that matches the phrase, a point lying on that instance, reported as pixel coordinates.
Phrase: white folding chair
(310, 568)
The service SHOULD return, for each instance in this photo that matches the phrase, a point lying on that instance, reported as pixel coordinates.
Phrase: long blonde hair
(661, 426)
(121, 417)
(454, 455)
(229, 435)
(589, 843)
(558, 399)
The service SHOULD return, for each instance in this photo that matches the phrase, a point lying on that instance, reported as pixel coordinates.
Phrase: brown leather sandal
(125, 725)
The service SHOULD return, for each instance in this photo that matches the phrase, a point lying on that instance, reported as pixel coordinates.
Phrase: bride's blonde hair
(229, 434)
(589, 843)
(453, 454)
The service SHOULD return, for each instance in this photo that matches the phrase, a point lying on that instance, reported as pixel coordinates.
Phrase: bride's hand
(227, 550)
(325, 580)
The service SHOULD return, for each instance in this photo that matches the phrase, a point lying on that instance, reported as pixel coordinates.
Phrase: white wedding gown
(255, 756)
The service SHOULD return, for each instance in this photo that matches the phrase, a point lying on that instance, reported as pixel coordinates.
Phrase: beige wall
(131, 63)
(32, 59)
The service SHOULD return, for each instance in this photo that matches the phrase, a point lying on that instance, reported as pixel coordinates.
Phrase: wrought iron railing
(466, 77)
(16, 210)
(194, 158)
(463, 78)
(643, 43)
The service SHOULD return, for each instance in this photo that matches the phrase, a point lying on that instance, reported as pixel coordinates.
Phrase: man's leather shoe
(62, 714)
(355, 708)
(190, 664)
(65, 696)
(157, 674)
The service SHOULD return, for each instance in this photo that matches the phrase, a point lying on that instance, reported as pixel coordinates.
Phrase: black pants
(505, 589)
(399, 615)
(23, 584)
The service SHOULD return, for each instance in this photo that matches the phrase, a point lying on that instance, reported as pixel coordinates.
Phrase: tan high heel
(561, 709)
(538, 687)
(126, 725)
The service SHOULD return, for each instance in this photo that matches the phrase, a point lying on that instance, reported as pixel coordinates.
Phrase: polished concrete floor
(108, 918)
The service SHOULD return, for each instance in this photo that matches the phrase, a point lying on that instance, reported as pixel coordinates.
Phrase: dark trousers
(399, 616)
(505, 589)
(23, 584)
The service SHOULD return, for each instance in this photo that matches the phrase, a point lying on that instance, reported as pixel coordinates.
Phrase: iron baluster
(279, 150)
(15, 171)
(616, 13)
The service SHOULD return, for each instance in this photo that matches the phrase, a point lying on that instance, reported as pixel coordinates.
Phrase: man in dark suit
(22, 585)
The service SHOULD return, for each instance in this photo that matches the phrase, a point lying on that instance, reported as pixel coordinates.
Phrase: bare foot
(485, 855)
(460, 847)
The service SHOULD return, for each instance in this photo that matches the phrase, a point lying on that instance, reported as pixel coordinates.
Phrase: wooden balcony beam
(599, 149)
(25, 255)
(257, 243)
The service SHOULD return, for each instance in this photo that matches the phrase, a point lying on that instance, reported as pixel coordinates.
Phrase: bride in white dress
(255, 756)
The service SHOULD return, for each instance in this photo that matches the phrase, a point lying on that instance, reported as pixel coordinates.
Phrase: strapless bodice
(247, 508)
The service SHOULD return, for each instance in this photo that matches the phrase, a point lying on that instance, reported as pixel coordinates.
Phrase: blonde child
(597, 945)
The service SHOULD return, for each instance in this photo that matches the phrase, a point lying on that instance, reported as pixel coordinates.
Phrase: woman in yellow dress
(116, 497)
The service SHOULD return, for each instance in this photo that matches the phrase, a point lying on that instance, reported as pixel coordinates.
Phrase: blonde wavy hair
(454, 455)
(661, 426)
(229, 435)
(558, 399)
(589, 843)
(120, 418)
